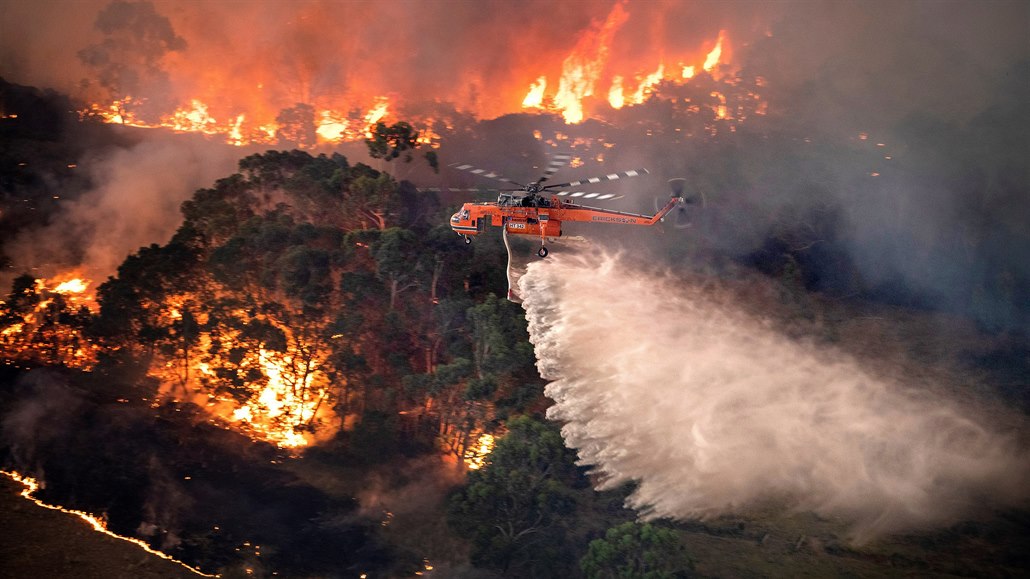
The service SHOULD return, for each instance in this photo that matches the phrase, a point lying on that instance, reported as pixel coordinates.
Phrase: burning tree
(234, 313)
(127, 62)
(286, 307)
(45, 322)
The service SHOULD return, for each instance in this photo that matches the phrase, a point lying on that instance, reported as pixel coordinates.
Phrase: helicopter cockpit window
(465, 214)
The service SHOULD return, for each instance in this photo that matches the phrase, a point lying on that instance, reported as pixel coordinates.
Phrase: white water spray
(711, 411)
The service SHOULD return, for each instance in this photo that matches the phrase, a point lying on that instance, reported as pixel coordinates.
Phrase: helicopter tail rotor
(682, 216)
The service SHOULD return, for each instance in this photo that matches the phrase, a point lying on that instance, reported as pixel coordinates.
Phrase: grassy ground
(805, 546)
(37, 542)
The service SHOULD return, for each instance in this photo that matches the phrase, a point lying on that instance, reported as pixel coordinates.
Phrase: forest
(314, 377)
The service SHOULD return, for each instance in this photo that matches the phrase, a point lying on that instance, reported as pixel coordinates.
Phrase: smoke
(905, 126)
(134, 202)
(39, 419)
(128, 60)
(711, 411)
(866, 65)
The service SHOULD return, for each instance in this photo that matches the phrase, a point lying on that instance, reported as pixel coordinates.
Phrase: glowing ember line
(98, 524)
(237, 128)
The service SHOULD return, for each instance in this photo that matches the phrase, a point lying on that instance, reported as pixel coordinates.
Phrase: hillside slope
(37, 542)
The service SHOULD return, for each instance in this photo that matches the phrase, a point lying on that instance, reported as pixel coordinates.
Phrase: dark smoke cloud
(866, 65)
(892, 160)
(38, 419)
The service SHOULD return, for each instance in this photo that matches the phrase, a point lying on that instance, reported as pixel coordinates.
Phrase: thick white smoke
(711, 411)
(135, 202)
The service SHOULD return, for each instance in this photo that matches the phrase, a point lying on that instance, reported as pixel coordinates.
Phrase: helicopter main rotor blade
(592, 180)
(485, 173)
(558, 160)
(460, 190)
(585, 195)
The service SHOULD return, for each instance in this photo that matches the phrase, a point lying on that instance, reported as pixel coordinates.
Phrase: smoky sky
(134, 202)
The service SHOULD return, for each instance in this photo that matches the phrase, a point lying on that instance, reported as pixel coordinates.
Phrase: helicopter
(528, 210)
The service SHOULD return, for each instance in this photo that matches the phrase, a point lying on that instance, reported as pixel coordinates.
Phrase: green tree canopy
(637, 551)
(514, 509)
(390, 142)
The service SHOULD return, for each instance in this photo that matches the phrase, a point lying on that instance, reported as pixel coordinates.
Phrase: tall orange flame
(582, 68)
(585, 67)
(712, 60)
(245, 107)
(535, 97)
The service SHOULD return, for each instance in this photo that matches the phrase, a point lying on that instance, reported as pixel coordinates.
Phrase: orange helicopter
(528, 211)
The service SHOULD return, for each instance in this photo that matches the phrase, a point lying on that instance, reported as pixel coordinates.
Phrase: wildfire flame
(648, 84)
(331, 126)
(281, 409)
(36, 336)
(98, 523)
(712, 60)
(72, 286)
(475, 456)
(243, 107)
(584, 68)
(289, 400)
(535, 97)
(615, 96)
(376, 114)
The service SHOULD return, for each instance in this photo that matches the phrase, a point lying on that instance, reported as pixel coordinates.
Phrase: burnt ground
(38, 542)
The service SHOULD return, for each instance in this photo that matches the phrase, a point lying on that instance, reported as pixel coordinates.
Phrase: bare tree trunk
(437, 270)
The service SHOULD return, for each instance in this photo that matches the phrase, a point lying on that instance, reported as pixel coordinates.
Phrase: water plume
(712, 411)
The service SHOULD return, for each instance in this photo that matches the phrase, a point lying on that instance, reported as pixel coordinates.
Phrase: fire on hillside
(592, 80)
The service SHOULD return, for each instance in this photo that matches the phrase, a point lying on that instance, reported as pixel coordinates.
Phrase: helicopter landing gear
(468, 239)
(542, 252)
